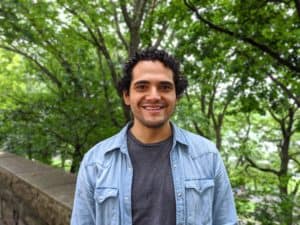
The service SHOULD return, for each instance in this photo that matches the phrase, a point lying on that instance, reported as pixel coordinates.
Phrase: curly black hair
(152, 54)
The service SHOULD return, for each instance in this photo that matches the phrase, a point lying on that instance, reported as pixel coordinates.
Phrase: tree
(61, 60)
(243, 29)
(248, 22)
(76, 51)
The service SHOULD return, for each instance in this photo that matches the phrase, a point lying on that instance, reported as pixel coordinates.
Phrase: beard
(153, 123)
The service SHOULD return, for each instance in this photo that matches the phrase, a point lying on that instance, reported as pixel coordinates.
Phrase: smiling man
(153, 172)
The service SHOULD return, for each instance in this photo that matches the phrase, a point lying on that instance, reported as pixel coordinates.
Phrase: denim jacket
(203, 192)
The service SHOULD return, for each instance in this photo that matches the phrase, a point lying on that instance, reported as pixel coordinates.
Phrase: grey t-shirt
(153, 199)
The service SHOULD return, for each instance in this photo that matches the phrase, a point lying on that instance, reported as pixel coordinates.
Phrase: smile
(152, 108)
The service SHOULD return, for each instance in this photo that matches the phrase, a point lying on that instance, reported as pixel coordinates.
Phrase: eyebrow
(141, 82)
(166, 83)
(147, 82)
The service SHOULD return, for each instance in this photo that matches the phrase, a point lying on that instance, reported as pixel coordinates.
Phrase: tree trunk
(218, 137)
(76, 158)
(287, 201)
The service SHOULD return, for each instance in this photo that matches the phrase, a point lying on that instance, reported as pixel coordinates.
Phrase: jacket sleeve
(224, 212)
(84, 207)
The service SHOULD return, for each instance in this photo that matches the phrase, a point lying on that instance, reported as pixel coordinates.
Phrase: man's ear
(126, 97)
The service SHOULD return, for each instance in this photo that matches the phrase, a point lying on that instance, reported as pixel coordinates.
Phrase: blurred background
(60, 61)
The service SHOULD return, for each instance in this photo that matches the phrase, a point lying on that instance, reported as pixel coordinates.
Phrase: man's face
(152, 96)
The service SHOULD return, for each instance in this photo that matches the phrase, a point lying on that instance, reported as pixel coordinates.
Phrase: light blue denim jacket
(202, 188)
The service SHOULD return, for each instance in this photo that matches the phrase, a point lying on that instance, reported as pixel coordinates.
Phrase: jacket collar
(119, 141)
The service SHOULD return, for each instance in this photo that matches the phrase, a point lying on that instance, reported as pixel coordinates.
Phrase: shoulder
(97, 153)
(197, 144)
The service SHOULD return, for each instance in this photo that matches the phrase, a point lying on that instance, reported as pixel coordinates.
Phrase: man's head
(152, 54)
(151, 87)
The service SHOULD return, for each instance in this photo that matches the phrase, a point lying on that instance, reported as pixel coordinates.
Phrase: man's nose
(153, 94)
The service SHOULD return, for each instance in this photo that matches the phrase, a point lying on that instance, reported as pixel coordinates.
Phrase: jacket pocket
(199, 201)
(107, 206)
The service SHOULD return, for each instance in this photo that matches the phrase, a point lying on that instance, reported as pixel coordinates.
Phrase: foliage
(60, 61)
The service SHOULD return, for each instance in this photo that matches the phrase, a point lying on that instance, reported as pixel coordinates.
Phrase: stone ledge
(34, 191)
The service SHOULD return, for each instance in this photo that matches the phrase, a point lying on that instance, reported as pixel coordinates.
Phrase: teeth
(152, 108)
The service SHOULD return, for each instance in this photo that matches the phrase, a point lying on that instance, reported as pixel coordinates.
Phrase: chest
(193, 185)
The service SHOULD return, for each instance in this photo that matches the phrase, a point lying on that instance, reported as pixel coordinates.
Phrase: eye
(166, 87)
(140, 87)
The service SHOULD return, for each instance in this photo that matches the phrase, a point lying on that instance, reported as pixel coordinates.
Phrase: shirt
(202, 189)
(152, 189)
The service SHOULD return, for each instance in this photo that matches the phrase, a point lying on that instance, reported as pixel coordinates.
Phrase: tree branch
(295, 160)
(275, 55)
(254, 165)
(211, 110)
(87, 133)
(171, 37)
(50, 75)
(297, 4)
(291, 116)
(278, 120)
(106, 95)
(229, 97)
(125, 14)
(162, 34)
(197, 128)
(99, 43)
(57, 53)
(58, 136)
(139, 12)
(295, 154)
(73, 12)
(296, 189)
(109, 61)
(118, 29)
(79, 34)
(285, 89)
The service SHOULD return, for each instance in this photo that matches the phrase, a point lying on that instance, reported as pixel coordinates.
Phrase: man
(152, 172)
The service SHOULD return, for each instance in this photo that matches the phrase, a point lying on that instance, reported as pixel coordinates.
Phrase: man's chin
(155, 124)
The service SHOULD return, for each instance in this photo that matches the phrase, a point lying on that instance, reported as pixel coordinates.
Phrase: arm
(224, 212)
(84, 207)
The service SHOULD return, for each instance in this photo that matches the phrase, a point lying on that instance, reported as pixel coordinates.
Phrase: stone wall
(34, 194)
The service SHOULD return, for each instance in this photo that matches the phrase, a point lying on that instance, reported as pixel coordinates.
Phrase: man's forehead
(150, 65)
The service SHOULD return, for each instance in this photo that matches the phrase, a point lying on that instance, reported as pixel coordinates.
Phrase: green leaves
(60, 61)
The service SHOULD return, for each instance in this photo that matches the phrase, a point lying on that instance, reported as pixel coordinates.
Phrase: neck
(148, 135)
